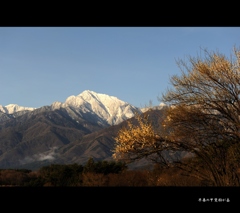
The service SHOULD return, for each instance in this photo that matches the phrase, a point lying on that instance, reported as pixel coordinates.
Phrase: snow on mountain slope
(12, 108)
(160, 106)
(101, 108)
(108, 108)
(3, 109)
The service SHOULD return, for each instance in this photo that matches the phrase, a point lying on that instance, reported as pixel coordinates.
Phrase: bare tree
(202, 119)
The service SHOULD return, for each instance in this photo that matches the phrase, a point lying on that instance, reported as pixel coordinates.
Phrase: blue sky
(40, 65)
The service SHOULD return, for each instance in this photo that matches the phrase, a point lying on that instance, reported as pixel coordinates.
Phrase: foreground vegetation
(202, 119)
(96, 174)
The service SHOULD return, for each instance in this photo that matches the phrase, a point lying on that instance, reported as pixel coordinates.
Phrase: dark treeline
(101, 173)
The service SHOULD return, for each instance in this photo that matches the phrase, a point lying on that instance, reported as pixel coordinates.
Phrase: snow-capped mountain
(107, 108)
(160, 106)
(12, 108)
(96, 107)
(64, 132)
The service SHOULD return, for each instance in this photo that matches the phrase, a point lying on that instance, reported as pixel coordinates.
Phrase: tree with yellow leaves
(140, 139)
(202, 119)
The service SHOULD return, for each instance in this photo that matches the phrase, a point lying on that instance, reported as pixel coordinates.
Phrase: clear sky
(40, 65)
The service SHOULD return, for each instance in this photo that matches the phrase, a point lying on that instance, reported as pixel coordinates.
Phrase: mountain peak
(106, 107)
(99, 96)
(87, 92)
(12, 108)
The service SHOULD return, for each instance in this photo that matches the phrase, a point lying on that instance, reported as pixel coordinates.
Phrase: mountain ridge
(108, 108)
(67, 132)
(12, 108)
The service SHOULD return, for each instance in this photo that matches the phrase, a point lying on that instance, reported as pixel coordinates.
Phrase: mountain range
(83, 126)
